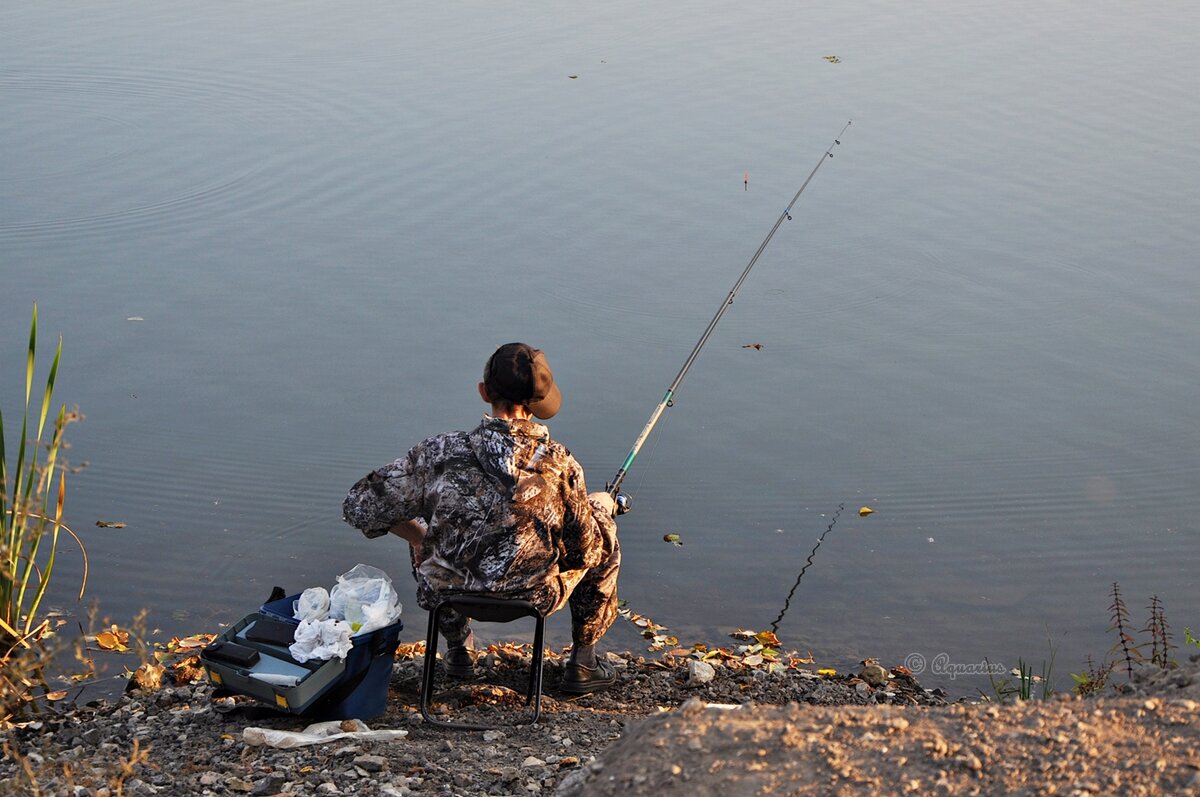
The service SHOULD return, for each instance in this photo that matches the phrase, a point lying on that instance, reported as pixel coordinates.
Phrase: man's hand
(605, 501)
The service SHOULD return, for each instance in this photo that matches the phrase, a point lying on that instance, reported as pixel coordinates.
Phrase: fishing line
(614, 486)
(787, 602)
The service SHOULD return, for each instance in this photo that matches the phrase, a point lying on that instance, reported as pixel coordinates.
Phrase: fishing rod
(614, 486)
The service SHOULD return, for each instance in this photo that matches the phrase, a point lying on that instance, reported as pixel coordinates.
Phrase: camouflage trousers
(591, 594)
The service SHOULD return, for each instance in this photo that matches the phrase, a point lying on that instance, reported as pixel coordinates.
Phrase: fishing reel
(624, 501)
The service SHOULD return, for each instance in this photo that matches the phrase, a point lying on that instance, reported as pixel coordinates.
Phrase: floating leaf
(674, 539)
(755, 346)
(105, 524)
(833, 59)
(573, 77)
(864, 511)
(741, 633)
(113, 639)
(52, 696)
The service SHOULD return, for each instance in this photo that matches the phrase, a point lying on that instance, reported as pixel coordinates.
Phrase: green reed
(31, 512)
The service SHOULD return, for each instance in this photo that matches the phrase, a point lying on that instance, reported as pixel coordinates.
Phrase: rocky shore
(668, 727)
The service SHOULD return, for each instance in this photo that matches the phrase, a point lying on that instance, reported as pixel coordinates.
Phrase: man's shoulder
(444, 439)
(437, 447)
(559, 454)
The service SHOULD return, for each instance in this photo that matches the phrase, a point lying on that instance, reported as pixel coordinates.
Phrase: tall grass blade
(29, 360)
(52, 452)
(44, 576)
(3, 480)
(49, 389)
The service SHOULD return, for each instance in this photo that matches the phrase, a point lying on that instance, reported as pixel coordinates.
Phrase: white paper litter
(317, 733)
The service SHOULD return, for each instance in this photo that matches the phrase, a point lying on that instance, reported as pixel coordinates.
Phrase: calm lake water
(280, 239)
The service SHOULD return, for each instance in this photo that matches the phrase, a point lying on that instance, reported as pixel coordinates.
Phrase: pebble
(371, 763)
(699, 672)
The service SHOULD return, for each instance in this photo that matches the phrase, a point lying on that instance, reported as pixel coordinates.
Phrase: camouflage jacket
(505, 506)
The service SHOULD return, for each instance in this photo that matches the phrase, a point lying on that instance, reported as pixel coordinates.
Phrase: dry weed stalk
(1119, 615)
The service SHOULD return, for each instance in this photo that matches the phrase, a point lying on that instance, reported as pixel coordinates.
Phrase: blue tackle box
(354, 688)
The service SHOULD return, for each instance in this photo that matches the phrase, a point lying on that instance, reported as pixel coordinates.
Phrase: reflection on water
(787, 602)
(980, 320)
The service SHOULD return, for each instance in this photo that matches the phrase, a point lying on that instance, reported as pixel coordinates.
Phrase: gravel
(802, 733)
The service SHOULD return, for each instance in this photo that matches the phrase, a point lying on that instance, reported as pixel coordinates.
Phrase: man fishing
(503, 510)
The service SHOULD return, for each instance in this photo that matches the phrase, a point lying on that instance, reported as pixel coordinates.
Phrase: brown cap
(519, 373)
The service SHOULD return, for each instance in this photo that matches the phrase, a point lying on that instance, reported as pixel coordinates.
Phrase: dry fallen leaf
(767, 638)
(104, 524)
(149, 676)
(755, 346)
(827, 672)
(866, 510)
(833, 59)
(52, 696)
(192, 642)
(187, 671)
(674, 539)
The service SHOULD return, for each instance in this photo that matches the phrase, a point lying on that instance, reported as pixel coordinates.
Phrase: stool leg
(535, 676)
(431, 643)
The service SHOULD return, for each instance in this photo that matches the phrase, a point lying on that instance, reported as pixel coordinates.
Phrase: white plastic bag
(365, 598)
(313, 604)
(321, 639)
